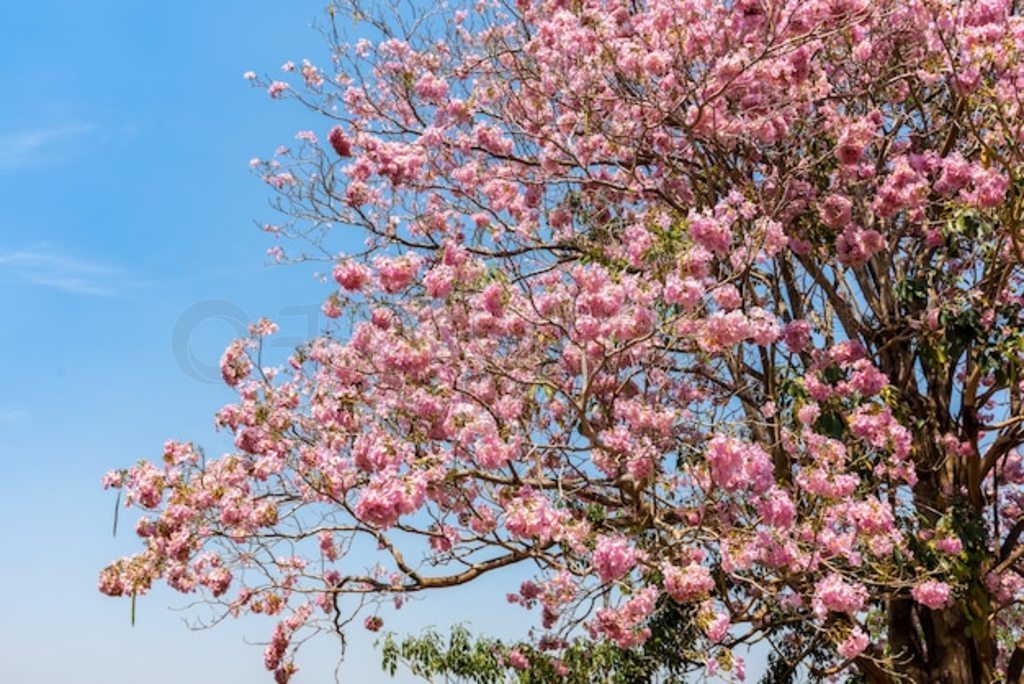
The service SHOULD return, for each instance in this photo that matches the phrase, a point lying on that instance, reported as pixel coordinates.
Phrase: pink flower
(327, 546)
(855, 245)
(867, 379)
(710, 667)
(217, 581)
(624, 625)
(776, 508)
(854, 644)
(332, 307)
(263, 327)
(688, 584)
(710, 233)
(114, 478)
(388, 496)
(517, 660)
(685, 292)
(396, 273)
(738, 465)
(281, 180)
(718, 627)
(835, 211)
(613, 557)
(340, 142)
(723, 330)
(283, 674)
(431, 88)
(931, 593)
(351, 275)
(492, 452)
(808, 413)
(835, 594)
(956, 173)
(853, 141)
(989, 187)
(179, 453)
(439, 280)
(657, 63)
(566, 321)
(728, 297)
(492, 299)
(764, 327)
(277, 88)
(849, 152)
(235, 365)
(796, 335)
(311, 75)
(531, 515)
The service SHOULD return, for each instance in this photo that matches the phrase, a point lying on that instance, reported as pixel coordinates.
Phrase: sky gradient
(129, 254)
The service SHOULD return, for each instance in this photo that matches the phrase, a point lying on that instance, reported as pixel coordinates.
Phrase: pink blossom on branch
(931, 593)
(688, 307)
(613, 558)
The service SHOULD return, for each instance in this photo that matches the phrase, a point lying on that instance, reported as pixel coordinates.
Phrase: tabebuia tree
(704, 315)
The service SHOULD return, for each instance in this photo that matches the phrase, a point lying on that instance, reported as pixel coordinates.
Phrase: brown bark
(935, 647)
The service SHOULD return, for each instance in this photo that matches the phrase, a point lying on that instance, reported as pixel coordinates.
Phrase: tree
(706, 304)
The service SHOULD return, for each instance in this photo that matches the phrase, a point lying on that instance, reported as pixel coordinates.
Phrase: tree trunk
(934, 647)
(953, 645)
(954, 656)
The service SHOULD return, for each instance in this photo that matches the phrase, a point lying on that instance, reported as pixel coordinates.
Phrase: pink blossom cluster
(613, 558)
(689, 583)
(739, 466)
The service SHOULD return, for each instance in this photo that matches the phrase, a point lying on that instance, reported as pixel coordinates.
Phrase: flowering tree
(706, 313)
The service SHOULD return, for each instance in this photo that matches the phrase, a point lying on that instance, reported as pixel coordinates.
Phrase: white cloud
(43, 267)
(38, 145)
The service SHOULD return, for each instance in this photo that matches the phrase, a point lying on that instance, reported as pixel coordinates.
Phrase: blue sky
(127, 238)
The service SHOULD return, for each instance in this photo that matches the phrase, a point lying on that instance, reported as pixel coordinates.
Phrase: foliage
(665, 657)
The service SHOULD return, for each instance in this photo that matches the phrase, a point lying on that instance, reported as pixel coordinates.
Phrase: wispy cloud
(44, 267)
(34, 146)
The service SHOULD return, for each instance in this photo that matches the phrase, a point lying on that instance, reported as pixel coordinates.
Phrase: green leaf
(831, 425)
